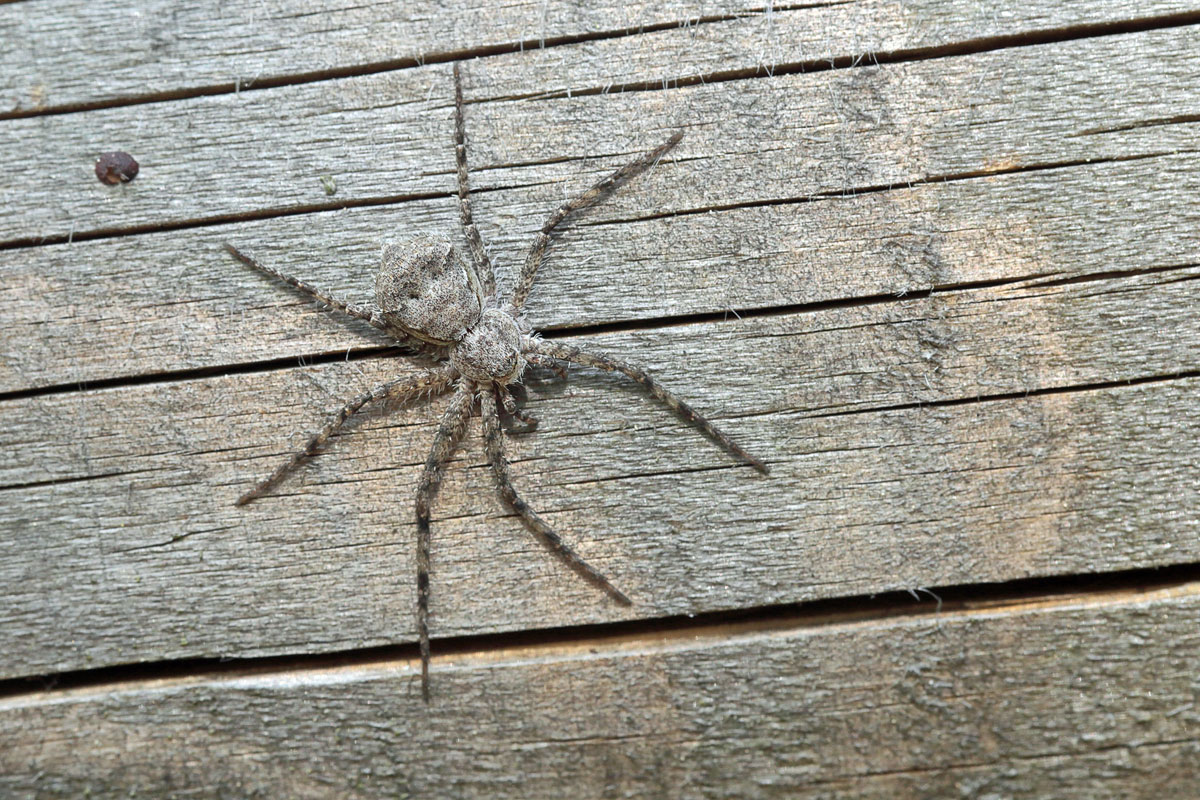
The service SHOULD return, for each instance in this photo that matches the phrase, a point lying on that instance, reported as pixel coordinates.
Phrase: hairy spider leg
(559, 368)
(514, 411)
(360, 312)
(588, 198)
(493, 439)
(397, 391)
(483, 263)
(450, 431)
(676, 404)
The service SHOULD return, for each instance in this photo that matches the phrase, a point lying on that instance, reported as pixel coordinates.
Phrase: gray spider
(428, 297)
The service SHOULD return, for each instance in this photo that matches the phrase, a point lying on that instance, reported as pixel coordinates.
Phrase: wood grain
(949, 297)
(1000, 702)
(384, 136)
(136, 49)
(177, 301)
(127, 492)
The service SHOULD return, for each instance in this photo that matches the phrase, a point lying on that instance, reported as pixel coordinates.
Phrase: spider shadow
(544, 383)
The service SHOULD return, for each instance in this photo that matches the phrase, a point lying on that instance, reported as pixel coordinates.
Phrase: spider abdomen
(424, 289)
(491, 349)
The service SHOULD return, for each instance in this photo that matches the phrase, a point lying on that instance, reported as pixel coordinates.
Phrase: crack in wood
(876, 58)
(639, 636)
(966, 47)
(1004, 396)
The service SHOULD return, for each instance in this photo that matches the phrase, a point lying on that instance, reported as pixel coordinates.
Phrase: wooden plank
(1049, 214)
(177, 302)
(125, 546)
(124, 50)
(164, 47)
(1090, 697)
(384, 136)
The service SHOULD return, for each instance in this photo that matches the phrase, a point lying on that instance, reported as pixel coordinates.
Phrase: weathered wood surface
(749, 141)
(968, 348)
(129, 490)
(177, 302)
(72, 53)
(1090, 697)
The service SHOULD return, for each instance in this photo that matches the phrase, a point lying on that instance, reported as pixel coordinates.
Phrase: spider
(430, 299)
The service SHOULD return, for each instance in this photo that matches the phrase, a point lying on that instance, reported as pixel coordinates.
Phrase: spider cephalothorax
(430, 297)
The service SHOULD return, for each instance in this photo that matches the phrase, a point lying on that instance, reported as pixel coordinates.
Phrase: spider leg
(601, 361)
(360, 312)
(449, 432)
(539, 360)
(483, 263)
(510, 408)
(399, 390)
(590, 197)
(493, 439)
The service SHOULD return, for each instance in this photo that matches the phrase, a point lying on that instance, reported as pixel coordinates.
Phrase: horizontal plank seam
(870, 58)
(368, 202)
(203, 373)
(223, 219)
(883, 188)
(967, 47)
(260, 83)
(1112, 274)
(1153, 122)
(74, 479)
(651, 323)
(1003, 396)
(954, 603)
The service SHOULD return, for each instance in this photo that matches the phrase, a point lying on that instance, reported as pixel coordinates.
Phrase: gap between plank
(924, 53)
(652, 323)
(880, 188)
(366, 202)
(967, 47)
(991, 398)
(375, 67)
(945, 604)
